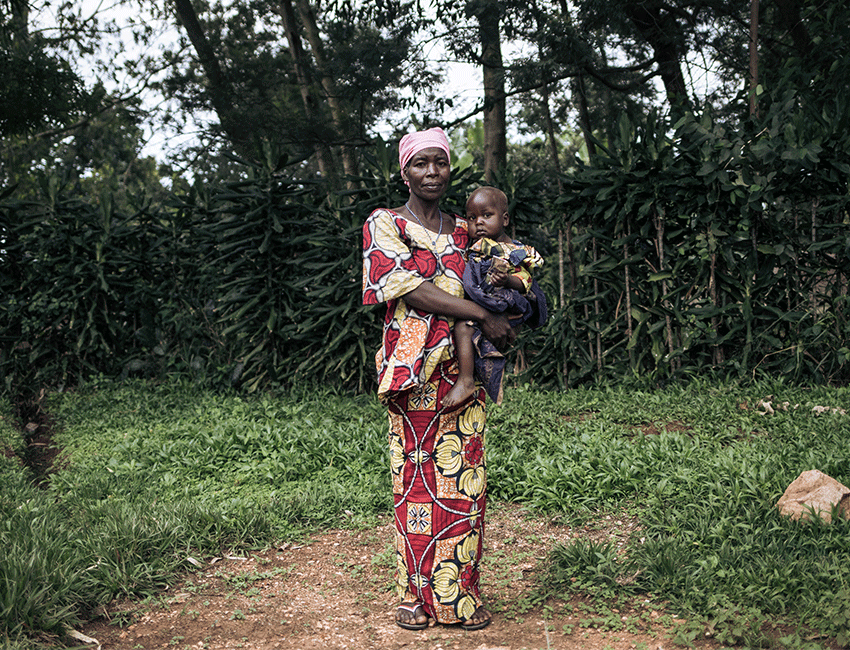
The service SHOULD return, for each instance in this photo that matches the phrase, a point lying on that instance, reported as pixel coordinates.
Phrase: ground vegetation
(640, 500)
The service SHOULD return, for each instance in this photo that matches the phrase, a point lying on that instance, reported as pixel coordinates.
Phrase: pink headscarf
(419, 140)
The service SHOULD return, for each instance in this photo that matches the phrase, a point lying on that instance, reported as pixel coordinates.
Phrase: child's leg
(465, 384)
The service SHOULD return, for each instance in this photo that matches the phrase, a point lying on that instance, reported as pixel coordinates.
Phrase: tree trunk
(596, 310)
(754, 56)
(495, 125)
(580, 100)
(659, 243)
(220, 91)
(659, 30)
(628, 287)
(308, 19)
(553, 149)
(813, 291)
(556, 164)
(327, 167)
(716, 352)
(19, 21)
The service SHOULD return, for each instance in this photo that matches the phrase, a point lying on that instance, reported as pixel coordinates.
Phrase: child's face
(486, 218)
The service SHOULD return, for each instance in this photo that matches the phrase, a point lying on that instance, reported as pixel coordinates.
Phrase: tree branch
(596, 74)
(62, 130)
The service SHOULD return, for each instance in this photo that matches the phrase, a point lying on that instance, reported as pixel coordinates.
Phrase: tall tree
(55, 118)
(329, 85)
(38, 86)
(487, 12)
(308, 83)
(303, 73)
(221, 92)
(663, 27)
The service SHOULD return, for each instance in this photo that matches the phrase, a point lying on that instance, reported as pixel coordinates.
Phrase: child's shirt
(483, 255)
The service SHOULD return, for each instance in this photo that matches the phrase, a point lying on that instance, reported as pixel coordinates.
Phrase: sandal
(412, 608)
(477, 626)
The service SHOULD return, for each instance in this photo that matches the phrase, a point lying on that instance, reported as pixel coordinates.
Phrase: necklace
(433, 240)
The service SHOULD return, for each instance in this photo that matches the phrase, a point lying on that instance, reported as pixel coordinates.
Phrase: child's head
(487, 213)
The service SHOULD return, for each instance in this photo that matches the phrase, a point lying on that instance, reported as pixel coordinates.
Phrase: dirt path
(334, 592)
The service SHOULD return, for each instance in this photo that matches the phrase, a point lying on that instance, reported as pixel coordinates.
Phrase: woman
(413, 259)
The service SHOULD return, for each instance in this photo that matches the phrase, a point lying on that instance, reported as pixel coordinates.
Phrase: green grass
(11, 447)
(712, 543)
(301, 458)
(153, 474)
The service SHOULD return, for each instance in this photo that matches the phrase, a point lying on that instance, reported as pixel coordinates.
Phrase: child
(497, 277)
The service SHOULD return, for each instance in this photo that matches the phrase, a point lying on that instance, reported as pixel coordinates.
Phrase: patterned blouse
(398, 256)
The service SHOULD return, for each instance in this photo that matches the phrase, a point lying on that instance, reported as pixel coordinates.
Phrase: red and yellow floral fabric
(439, 491)
(437, 458)
(398, 255)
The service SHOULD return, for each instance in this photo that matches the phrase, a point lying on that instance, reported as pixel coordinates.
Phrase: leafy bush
(255, 283)
(700, 250)
(707, 249)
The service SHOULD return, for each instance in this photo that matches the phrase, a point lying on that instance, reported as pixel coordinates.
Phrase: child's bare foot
(461, 391)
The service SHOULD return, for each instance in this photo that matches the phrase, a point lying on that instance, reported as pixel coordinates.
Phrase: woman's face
(428, 173)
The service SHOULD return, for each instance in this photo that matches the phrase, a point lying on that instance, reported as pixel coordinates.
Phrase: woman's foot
(411, 616)
(480, 619)
(459, 393)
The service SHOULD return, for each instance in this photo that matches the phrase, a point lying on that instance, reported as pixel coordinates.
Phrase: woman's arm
(430, 298)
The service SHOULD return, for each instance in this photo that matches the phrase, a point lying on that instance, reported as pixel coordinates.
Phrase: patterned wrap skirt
(439, 488)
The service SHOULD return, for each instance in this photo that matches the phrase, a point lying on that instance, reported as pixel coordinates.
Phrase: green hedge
(703, 247)
(710, 248)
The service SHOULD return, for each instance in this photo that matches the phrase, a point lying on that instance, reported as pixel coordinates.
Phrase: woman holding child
(413, 259)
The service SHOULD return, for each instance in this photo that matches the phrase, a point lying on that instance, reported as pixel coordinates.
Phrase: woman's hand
(497, 328)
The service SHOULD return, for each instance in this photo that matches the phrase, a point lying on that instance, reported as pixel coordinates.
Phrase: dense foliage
(319, 80)
(716, 242)
(711, 248)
